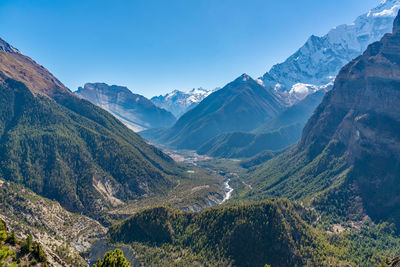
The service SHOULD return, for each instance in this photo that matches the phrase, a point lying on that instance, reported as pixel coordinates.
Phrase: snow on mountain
(317, 63)
(178, 102)
(6, 47)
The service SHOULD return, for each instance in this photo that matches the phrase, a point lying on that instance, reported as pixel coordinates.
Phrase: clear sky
(155, 46)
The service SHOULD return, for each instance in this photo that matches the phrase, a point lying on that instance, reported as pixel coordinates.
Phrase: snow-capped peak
(178, 102)
(245, 77)
(320, 59)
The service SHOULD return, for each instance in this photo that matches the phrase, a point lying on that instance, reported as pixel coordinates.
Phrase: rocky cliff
(136, 111)
(348, 155)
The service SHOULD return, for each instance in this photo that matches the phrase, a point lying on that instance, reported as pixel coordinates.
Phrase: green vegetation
(244, 144)
(275, 232)
(271, 232)
(294, 175)
(241, 105)
(16, 253)
(113, 259)
(68, 149)
(280, 132)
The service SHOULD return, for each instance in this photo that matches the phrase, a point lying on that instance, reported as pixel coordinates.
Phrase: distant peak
(243, 78)
(396, 24)
(6, 47)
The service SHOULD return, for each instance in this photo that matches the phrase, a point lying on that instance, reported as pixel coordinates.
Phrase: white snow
(320, 59)
(178, 102)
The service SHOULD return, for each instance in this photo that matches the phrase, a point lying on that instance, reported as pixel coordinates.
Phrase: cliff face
(351, 145)
(362, 112)
(317, 63)
(135, 111)
(366, 92)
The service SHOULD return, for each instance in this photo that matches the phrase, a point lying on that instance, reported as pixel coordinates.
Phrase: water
(228, 191)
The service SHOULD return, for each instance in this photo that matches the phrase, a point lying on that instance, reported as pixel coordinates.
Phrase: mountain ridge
(346, 162)
(68, 149)
(134, 110)
(241, 105)
(317, 63)
(178, 102)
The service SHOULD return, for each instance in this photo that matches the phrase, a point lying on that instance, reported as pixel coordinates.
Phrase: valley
(299, 167)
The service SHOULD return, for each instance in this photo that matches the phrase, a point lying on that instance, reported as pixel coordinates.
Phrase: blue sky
(155, 46)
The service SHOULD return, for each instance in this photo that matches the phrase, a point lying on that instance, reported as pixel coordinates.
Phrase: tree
(27, 245)
(38, 253)
(3, 235)
(12, 239)
(113, 259)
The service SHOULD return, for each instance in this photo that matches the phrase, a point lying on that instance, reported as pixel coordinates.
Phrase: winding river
(228, 191)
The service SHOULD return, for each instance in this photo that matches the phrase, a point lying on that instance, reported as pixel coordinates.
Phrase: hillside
(272, 232)
(64, 236)
(346, 162)
(135, 111)
(69, 150)
(241, 105)
(280, 132)
(14, 252)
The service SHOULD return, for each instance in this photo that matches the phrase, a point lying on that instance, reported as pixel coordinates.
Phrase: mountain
(135, 111)
(282, 131)
(6, 47)
(51, 225)
(241, 105)
(178, 102)
(67, 149)
(271, 232)
(317, 63)
(347, 161)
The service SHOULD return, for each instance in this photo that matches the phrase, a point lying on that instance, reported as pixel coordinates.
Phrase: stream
(228, 191)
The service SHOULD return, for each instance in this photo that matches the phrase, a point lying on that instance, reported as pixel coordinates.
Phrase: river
(228, 191)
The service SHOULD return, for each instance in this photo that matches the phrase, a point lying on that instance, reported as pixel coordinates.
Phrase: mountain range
(72, 173)
(316, 64)
(241, 105)
(178, 102)
(67, 149)
(280, 132)
(346, 162)
(135, 111)
(311, 69)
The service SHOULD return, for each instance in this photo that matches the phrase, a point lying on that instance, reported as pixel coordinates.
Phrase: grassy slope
(61, 149)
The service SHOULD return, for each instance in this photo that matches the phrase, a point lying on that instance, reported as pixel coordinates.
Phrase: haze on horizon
(154, 47)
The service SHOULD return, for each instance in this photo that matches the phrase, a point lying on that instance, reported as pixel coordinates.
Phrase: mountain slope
(241, 105)
(318, 62)
(347, 161)
(136, 111)
(272, 232)
(282, 131)
(67, 149)
(63, 235)
(178, 102)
